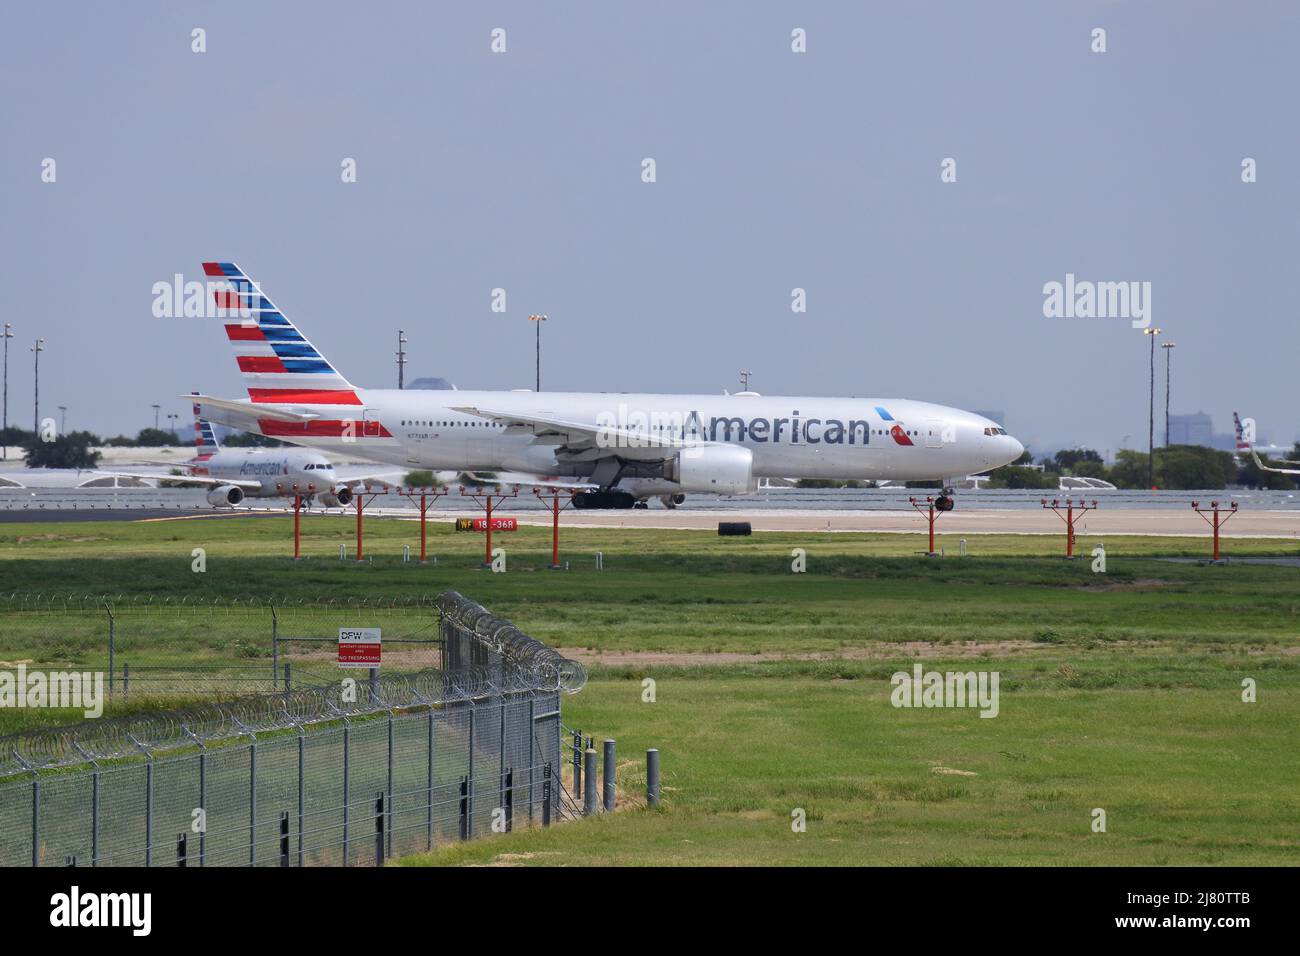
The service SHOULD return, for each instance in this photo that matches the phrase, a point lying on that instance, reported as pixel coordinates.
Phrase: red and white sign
(498, 524)
(359, 646)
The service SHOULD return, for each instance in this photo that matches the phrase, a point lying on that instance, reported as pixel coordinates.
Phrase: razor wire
(497, 660)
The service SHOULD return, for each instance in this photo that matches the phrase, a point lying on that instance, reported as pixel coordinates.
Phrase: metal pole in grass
(652, 777)
(611, 774)
(112, 646)
(589, 791)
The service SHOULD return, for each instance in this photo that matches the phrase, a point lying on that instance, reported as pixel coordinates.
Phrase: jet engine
(719, 469)
(672, 501)
(340, 497)
(225, 495)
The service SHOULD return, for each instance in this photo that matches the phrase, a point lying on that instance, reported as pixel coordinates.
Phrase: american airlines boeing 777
(619, 448)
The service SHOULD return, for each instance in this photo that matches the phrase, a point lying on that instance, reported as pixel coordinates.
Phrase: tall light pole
(401, 357)
(37, 349)
(155, 416)
(63, 419)
(1151, 413)
(539, 319)
(1169, 351)
(172, 421)
(744, 380)
(7, 336)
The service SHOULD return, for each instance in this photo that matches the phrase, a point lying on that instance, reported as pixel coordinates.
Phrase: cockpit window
(995, 431)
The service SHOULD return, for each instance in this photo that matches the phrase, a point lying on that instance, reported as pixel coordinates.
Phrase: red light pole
(487, 504)
(297, 520)
(555, 523)
(1217, 521)
(1072, 511)
(932, 518)
(425, 494)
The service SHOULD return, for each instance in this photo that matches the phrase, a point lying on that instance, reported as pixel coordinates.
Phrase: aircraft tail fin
(205, 438)
(278, 363)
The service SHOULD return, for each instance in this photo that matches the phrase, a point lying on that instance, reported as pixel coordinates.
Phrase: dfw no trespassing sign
(359, 646)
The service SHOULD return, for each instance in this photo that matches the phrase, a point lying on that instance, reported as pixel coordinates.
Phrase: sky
(774, 170)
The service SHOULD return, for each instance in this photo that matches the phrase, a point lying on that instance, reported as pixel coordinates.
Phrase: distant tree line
(77, 449)
(1176, 467)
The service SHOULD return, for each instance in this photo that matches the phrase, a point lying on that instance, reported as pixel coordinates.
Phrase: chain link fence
(343, 773)
(147, 647)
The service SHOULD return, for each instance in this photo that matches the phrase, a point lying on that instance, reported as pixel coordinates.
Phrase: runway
(1164, 522)
(1260, 514)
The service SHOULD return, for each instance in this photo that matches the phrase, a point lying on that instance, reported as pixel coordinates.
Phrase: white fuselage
(790, 437)
(278, 470)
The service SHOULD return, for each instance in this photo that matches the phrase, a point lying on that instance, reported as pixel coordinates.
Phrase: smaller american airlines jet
(620, 449)
(234, 474)
(1247, 446)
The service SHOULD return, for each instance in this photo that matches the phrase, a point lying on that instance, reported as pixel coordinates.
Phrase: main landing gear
(945, 501)
(605, 500)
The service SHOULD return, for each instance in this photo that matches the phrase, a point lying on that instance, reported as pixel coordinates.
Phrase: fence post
(379, 828)
(203, 805)
(36, 822)
(611, 775)
(546, 794)
(509, 802)
(284, 837)
(532, 732)
(94, 819)
(389, 792)
(288, 673)
(577, 762)
(428, 786)
(347, 793)
(148, 812)
(252, 803)
(469, 808)
(126, 681)
(589, 791)
(374, 686)
(652, 777)
(464, 808)
(275, 649)
(501, 757)
(182, 850)
(112, 646)
(302, 803)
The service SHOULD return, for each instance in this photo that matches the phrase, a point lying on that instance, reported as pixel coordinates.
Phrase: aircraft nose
(1014, 448)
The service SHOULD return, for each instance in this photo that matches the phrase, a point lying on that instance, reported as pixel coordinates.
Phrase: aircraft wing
(1281, 471)
(582, 440)
(243, 483)
(222, 409)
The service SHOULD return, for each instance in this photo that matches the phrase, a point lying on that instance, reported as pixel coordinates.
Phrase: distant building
(434, 384)
(1198, 429)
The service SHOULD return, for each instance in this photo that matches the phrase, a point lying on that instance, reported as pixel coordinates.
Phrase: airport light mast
(401, 357)
(744, 379)
(37, 349)
(1169, 351)
(1151, 412)
(4, 428)
(539, 319)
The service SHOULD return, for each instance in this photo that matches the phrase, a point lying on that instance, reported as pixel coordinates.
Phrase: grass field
(1120, 691)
